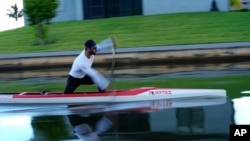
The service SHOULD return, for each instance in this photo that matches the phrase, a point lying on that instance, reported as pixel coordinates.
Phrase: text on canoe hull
(160, 92)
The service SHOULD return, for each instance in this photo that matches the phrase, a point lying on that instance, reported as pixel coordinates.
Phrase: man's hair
(89, 43)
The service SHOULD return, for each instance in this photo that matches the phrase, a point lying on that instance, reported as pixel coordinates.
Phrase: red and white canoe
(130, 95)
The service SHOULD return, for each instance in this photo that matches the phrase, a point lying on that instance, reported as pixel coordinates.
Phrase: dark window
(94, 9)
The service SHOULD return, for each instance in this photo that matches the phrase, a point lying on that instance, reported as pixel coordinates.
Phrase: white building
(93, 9)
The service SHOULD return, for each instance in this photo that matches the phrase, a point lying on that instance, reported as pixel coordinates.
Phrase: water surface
(183, 119)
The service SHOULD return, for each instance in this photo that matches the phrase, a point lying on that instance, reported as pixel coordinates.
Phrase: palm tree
(15, 13)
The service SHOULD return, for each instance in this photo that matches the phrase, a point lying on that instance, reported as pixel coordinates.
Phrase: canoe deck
(129, 95)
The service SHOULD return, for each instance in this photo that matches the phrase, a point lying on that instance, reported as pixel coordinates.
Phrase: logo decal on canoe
(160, 92)
(5, 96)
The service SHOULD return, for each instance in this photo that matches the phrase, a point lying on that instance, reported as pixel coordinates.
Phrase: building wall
(69, 10)
(151, 7)
(245, 4)
(73, 9)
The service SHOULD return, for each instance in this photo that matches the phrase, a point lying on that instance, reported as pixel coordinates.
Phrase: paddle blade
(108, 43)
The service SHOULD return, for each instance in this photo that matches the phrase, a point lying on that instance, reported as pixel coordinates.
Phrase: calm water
(198, 119)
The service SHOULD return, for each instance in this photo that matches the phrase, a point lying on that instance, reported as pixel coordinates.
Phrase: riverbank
(179, 54)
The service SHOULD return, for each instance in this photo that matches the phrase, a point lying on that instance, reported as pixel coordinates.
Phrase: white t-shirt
(82, 66)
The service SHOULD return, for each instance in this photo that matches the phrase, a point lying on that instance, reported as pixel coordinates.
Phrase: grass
(135, 31)
(234, 84)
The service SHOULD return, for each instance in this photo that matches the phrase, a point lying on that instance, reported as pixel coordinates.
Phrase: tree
(235, 4)
(40, 13)
(15, 13)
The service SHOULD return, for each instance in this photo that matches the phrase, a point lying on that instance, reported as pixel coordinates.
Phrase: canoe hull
(131, 95)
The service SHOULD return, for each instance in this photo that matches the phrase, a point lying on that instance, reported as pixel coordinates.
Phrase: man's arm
(101, 82)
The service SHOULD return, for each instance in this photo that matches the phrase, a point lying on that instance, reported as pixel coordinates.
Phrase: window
(94, 9)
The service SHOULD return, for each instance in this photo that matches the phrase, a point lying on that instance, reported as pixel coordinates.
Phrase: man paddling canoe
(82, 72)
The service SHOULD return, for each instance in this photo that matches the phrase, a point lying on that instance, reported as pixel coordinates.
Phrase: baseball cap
(89, 43)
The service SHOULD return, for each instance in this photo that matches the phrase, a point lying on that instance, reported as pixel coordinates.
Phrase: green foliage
(40, 13)
(15, 13)
(235, 4)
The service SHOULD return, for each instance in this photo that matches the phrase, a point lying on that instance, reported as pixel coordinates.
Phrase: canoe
(117, 96)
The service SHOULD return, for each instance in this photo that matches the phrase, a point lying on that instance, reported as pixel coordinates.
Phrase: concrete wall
(151, 7)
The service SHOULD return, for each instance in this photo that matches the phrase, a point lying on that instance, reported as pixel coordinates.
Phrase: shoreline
(180, 54)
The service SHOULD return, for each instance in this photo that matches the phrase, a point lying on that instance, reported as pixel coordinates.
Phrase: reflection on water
(50, 128)
(190, 120)
(91, 127)
(185, 119)
(125, 122)
(16, 128)
(242, 110)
